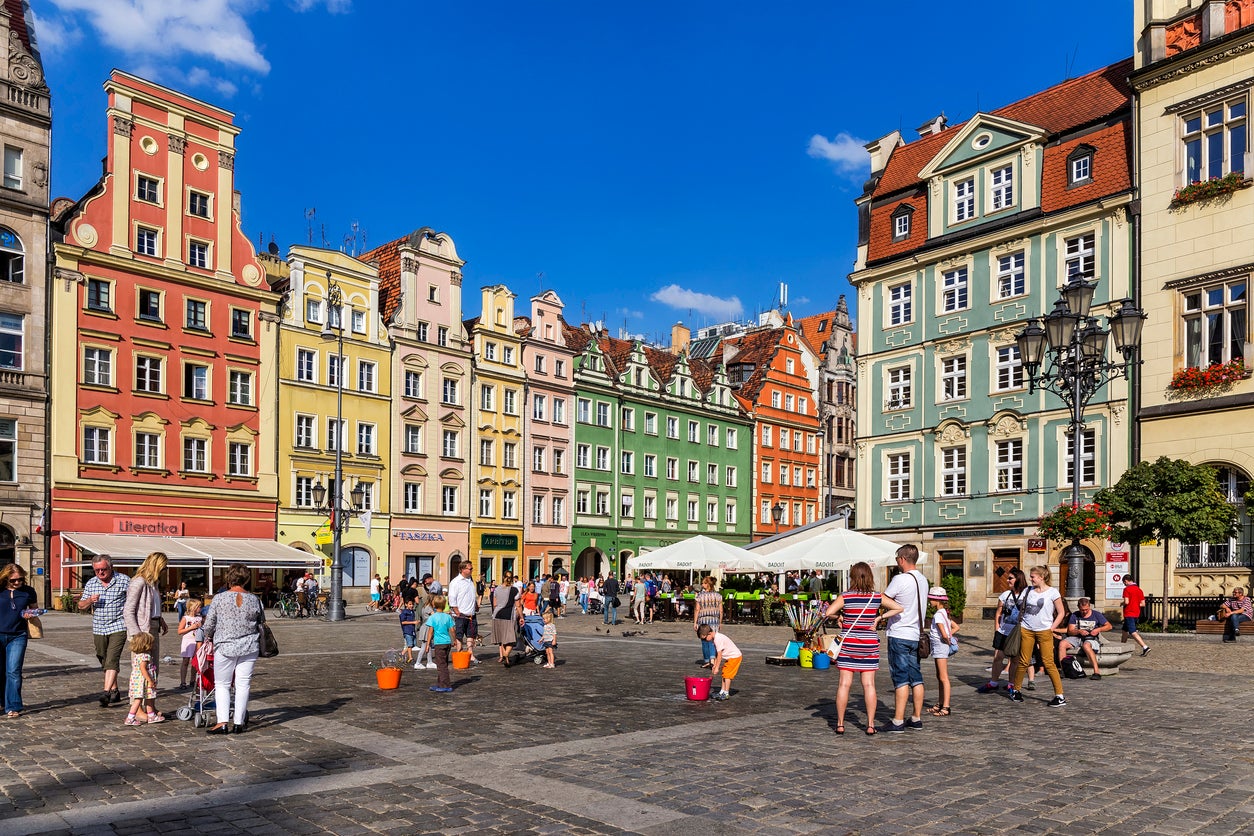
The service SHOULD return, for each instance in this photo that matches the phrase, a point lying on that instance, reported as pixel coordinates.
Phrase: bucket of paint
(807, 657)
(822, 661)
(461, 659)
(697, 687)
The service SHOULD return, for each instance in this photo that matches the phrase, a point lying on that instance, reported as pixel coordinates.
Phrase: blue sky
(651, 162)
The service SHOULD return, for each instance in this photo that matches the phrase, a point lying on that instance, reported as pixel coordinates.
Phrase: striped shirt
(1245, 605)
(106, 616)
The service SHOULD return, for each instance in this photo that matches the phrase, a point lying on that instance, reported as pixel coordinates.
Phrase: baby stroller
(531, 638)
(202, 698)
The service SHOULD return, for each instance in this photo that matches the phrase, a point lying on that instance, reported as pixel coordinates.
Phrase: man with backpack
(1083, 630)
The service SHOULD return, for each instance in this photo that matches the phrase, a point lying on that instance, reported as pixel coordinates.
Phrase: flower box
(1211, 189)
(1205, 382)
(1068, 522)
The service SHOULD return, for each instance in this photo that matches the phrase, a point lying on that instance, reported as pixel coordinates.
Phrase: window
(539, 364)
(784, 474)
(1079, 263)
(790, 403)
(694, 431)
(413, 384)
(198, 204)
(1010, 465)
(559, 460)
(898, 477)
(97, 366)
(559, 511)
(694, 474)
(672, 427)
(359, 322)
(785, 438)
(954, 290)
(603, 414)
(303, 497)
(1214, 140)
(507, 355)
(811, 443)
(198, 254)
(731, 439)
(1003, 186)
(365, 376)
(775, 400)
(650, 423)
(423, 331)
(485, 503)
(335, 370)
(195, 381)
(729, 514)
(1080, 168)
(603, 504)
(99, 293)
(411, 498)
(953, 378)
(1215, 324)
(147, 450)
(197, 315)
(650, 466)
(96, 445)
(239, 459)
(650, 507)
(12, 257)
(448, 391)
(764, 514)
(441, 336)
(796, 475)
(433, 294)
(489, 351)
(766, 473)
(672, 468)
(672, 508)
(1088, 460)
(537, 510)
(899, 388)
(510, 404)
(448, 444)
(730, 476)
(487, 398)
(900, 310)
(559, 411)
(365, 439)
(12, 167)
(486, 455)
(581, 502)
(559, 368)
(628, 419)
(964, 200)
(711, 511)
(1010, 281)
(627, 503)
(509, 455)
(448, 500)
(239, 388)
(692, 511)
(241, 324)
(538, 404)
(1233, 552)
(537, 459)
(766, 435)
(145, 189)
(195, 455)
(583, 454)
(335, 434)
(584, 407)
(953, 471)
(306, 366)
(147, 374)
(1009, 368)
(313, 311)
(149, 305)
(711, 474)
(413, 438)
(146, 241)
(901, 225)
(306, 432)
(809, 477)
(603, 458)
(334, 316)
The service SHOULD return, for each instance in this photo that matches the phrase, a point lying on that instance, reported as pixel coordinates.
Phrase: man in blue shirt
(1083, 630)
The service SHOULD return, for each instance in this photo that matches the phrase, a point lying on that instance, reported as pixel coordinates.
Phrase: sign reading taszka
(499, 542)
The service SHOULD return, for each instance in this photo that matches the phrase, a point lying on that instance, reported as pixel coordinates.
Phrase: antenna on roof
(1071, 62)
(540, 280)
(310, 214)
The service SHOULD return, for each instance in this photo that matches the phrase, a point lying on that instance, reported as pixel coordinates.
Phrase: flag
(322, 534)
(43, 514)
(365, 521)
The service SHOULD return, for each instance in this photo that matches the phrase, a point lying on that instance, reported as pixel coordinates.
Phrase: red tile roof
(1111, 171)
(617, 352)
(758, 348)
(810, 332)
(389, 258)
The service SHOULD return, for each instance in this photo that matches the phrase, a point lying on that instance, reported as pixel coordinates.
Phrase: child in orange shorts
(726, 657)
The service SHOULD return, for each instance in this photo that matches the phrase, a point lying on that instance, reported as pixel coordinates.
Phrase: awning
(189, 552)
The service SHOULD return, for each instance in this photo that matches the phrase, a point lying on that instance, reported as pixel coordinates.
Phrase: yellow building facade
(1194, 80)
(312, 372)
(496, 424)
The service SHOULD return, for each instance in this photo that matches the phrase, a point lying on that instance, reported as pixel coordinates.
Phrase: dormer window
(901, 222)
(1003, 187)
(1080, 166)
(964, 200)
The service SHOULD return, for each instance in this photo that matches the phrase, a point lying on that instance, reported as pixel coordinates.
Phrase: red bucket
(697, 687)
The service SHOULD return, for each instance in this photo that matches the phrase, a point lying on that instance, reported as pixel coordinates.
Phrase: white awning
(189, 552)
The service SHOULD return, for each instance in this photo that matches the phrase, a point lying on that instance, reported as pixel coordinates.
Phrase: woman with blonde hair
(142, 610)
(1042, 613)
(860, 644)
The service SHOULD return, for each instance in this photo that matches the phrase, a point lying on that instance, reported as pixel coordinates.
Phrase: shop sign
(1118, 565)
(418, 535)
(1036, 544)
(499, 542)
(148, 527)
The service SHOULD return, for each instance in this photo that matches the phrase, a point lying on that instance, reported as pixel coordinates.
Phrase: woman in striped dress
(860, 644)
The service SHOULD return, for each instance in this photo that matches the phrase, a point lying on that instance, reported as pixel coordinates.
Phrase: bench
(1206, 627)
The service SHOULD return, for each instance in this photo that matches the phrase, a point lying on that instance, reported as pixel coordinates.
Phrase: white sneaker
(430, 666)
(474, 661)
(417, 666)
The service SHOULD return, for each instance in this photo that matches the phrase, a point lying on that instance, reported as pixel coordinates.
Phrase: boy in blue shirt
(443, 640)
(409, 630)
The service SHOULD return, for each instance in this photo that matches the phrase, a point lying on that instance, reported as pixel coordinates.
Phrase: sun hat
(937, 593)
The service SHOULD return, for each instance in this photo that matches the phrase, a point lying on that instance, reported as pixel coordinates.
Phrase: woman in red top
(530, 599)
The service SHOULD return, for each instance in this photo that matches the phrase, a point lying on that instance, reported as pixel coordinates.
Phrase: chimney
(933, 126)
(680, 336)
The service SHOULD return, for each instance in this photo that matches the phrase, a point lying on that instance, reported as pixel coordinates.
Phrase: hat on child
(937, 593)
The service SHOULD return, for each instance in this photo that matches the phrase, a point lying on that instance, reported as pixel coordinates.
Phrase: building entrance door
(1003, 561)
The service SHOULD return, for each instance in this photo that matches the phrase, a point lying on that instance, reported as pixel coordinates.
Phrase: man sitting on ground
(1235, 611)
(1083, 631)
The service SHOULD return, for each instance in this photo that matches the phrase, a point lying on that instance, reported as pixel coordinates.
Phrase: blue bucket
(822, 661)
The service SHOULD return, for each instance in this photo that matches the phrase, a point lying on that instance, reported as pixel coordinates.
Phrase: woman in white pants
(234, 625)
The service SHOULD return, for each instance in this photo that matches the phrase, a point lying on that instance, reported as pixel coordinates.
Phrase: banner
(1118, 564)
(322, 535)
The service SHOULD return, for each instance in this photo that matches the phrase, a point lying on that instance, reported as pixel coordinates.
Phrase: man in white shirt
(908, 589)
(463, 602)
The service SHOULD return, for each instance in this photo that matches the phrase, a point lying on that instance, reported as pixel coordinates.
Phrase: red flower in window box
(1205, 382)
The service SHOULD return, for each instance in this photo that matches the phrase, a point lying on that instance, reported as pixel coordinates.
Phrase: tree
(1169, 499)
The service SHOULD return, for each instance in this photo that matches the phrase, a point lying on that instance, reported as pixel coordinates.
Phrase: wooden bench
(1206, 627)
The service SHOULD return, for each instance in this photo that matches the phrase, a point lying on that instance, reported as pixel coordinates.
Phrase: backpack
(1071, 668)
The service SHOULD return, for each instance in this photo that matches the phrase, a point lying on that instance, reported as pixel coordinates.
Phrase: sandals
(13, 715)
(156, 717)
(870, 730)
(840, 729)
(939, 711)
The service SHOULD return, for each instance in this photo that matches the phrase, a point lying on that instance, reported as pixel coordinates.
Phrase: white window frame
(963, 200)
(953, 378)
(953, 471)
(1011, 275)
(897, 476)
(900, 304)
(1008, 371)
(1223, 306)
(1001, 187)
(899, 388)
(956, 289)
(1210, 128)
(1008, 464)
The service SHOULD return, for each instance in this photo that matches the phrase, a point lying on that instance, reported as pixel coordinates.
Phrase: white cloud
(845, 152)
(628, 312)
(714, 307)
(55, 35)
(333, 6)
(213, 29)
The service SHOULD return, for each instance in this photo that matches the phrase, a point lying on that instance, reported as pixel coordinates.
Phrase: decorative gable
(982, 138)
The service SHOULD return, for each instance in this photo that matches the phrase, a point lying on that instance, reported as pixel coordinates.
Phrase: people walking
(14, 633)
(142, 610)
(1043, 612)
(105, 594)
(609, 594)
(234, 625)
(941, 636)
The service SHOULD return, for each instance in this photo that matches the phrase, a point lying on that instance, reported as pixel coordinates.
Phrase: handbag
(1014, 641)
(34, 627)
(953, 646)
(925, 640)
(269, 644)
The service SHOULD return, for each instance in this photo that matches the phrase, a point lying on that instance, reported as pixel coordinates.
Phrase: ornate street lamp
(1067, 356)
(777, 512)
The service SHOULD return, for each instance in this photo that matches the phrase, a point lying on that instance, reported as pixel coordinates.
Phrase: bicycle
(286, 606)
(320, 606)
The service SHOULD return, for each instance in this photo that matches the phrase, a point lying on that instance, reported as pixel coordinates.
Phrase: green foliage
(1169, 499)
(956, 588)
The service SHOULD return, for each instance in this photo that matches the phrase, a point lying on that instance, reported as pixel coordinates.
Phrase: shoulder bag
(268, 646)
(1014, 641)
(925, 640)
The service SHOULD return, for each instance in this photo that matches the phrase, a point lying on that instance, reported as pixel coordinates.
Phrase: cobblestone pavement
(606, 743)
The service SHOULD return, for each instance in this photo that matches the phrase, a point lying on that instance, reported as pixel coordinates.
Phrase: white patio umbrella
(834, 549)
(698, 554)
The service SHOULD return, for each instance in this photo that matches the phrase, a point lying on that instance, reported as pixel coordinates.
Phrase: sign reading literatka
(147, 527)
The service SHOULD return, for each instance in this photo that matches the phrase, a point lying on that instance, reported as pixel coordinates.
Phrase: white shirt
(461, 595)
(907, 589)
(1039, 611)
(374, 586)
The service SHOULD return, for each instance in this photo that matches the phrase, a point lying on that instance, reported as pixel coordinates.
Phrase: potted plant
(64, 602)
(388, 673)
(1073, 523)
(1195, 382)
(1203, 190)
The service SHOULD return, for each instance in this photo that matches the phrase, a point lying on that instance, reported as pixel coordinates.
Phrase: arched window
(1235, 551)
(12, 257)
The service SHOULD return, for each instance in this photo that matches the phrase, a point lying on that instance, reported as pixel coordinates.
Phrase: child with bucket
(726, 657)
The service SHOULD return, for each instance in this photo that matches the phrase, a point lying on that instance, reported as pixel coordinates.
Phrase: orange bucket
(389, 678)
(461, 659)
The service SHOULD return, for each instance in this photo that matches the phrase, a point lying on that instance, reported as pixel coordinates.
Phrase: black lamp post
(1068, 357)
(777, 513)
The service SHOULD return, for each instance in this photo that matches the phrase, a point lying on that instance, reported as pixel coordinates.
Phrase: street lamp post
(1067, 356)
(777, 513)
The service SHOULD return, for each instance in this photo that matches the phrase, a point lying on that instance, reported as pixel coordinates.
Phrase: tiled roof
(756, 347)
(617, 352)
(811, 333)
(389, 258)
(17, 23)
(1111, 172)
